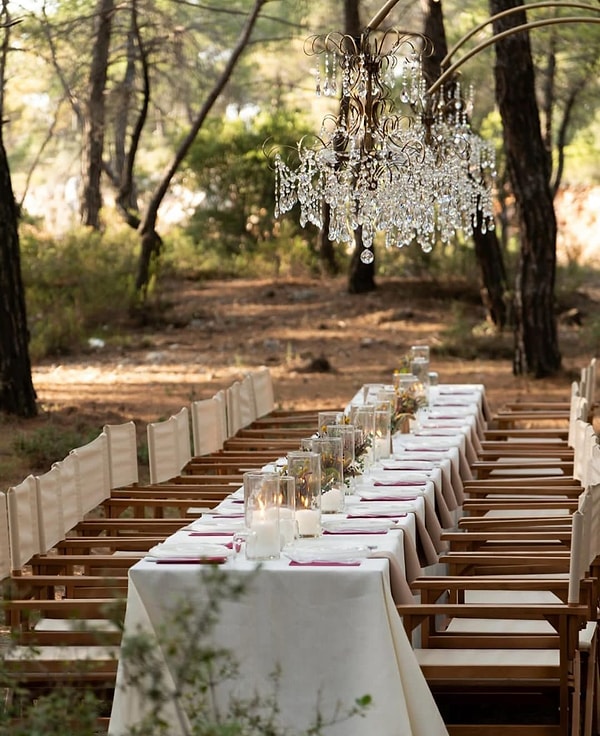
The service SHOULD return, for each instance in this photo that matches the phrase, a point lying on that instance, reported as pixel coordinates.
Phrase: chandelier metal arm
(511, 11)
(449, 72)
(381, 15)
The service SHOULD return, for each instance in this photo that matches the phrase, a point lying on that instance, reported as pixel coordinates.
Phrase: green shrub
(74, 285)
(49, 443)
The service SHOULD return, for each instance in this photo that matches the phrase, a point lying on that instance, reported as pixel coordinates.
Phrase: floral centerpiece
(408, 402)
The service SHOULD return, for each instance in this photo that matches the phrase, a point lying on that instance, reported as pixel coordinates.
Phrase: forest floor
(320, 343)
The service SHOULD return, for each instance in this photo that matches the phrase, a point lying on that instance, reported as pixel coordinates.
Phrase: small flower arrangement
(408, 404)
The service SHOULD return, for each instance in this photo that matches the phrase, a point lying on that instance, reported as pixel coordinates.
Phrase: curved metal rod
(381, 14)
(511, 11)
(497, 37)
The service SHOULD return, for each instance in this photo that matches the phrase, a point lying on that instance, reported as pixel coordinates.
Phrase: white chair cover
(207, 426)
(50, 508)
(247, 401)
(234, 416)
(122, 454)
(221, 398)
(92, 473)
(72, 509)
(23, 522)
(264, 395)
(184, 446)
(163, 450)
(5, 566)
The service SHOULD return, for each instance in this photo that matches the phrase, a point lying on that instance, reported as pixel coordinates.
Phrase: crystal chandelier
(395, 159)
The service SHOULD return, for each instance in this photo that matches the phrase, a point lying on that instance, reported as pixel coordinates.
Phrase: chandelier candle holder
(395, 159)
(261, 512)
(305, 467)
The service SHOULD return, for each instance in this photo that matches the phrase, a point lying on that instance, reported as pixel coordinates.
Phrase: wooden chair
(514, 647)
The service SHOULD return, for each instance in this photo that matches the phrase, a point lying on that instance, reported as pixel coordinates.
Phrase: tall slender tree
(536, 335)
(94, 120)
(17, 395)
(493, 282)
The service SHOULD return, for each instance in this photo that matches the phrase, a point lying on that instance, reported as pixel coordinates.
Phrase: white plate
(320, 552)
(205, 524)
(188, 551)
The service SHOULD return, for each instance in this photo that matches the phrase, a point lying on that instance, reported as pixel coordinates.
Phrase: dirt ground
(320, 342)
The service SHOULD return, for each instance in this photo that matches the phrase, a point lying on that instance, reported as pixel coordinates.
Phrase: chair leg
(591, 693)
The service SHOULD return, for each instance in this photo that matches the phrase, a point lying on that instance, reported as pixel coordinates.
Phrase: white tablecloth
(333, 632)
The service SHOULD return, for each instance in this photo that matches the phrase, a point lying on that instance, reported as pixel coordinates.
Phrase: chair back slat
(122, 454)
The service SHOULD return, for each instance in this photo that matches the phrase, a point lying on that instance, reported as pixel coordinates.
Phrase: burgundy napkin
(393, 515)
(399, 482)
(390, 498)
(323, 563)
(355, 531)
(191, 560)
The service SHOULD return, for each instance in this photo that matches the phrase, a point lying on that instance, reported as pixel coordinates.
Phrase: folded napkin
(324, 563)
(396, 482)
(354, 532)
(375, 515)
(191, 560)
(393, 464)
(366, 496)
(189, 551)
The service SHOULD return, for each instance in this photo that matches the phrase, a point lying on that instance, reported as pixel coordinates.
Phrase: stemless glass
(305, 467)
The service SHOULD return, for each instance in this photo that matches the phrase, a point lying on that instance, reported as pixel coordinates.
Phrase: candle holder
(382, 433)
(347, 433)
(332, 471)
(261, 512)
(305, 467)
(325, 418)
(287, 509)
(362, 416)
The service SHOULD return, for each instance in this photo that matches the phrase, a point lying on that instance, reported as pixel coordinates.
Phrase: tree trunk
(17, 395)
(151, 240)
(94, 144)
(536, 335)
(487, 248)
(362, 275)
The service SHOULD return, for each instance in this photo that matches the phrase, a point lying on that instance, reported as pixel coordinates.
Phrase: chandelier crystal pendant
(395, 159)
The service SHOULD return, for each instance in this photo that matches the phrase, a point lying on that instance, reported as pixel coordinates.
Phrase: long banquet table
(331, 631)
